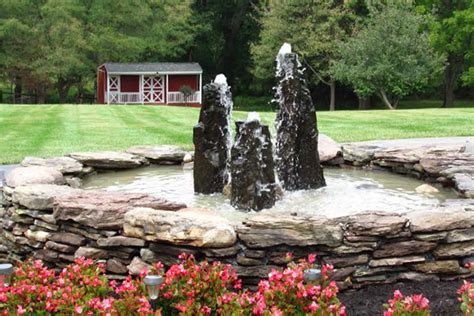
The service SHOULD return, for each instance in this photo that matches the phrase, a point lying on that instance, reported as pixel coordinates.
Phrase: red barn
(149, 83)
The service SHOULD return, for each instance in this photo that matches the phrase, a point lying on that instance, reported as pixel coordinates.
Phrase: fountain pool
(348, 191)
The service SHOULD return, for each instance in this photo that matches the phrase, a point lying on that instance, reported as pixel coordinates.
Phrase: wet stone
(252, 168)
(297, 158)
(212, 138)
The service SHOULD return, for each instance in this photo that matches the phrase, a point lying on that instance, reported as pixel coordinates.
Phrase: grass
(51, 130)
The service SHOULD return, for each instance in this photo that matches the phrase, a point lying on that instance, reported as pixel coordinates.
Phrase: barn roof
(153, 67)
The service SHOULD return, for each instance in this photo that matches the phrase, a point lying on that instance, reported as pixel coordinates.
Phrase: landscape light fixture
(152, 284)
(6, 271)
(311, 275)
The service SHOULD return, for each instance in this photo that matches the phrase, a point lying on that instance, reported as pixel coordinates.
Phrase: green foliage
(313, 28)
(389, 56)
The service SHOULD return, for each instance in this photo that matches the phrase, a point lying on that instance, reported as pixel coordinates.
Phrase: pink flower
(313, 307)
(20, 310)
(78, 309)
(312, 258)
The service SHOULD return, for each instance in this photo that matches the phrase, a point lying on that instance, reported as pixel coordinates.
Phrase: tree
(389, 56)
(65, 61)
(452, 34)
(313, 28)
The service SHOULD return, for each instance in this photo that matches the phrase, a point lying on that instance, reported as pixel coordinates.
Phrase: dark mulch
(370, 300)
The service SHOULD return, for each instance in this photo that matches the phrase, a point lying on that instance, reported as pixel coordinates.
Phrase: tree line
(383, 49)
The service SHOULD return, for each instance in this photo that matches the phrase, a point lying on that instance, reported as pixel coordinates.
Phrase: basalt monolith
(297, 159)
(212, 138)
(252, 168)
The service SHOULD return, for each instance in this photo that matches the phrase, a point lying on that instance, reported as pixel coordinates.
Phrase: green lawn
(49, 130)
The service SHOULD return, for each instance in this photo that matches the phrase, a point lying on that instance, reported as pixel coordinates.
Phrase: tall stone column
(212, 138)
(252, 167)
(297, 159)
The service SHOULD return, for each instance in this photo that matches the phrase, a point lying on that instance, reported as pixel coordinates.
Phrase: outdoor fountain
(367, 216)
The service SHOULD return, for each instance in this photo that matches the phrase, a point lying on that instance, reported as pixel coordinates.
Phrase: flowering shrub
(198, 288)
(466, 295)
(399, 305)
(79, 289)
(189, 288)
(286, 293)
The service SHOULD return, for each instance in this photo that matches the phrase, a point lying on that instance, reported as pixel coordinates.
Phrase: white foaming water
(347, 192)
(221, 79)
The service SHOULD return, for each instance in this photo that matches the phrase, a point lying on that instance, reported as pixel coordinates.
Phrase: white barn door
(153, 89)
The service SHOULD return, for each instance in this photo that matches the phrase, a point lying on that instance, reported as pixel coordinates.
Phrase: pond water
(348, 191)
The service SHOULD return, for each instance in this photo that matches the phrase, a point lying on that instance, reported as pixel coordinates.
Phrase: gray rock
(59, 247)
(221, 252)
(442, 266)
(137, 266)
(39, 235)
(375, 224)
(191, 227)
(68, 238)
(460, 235)
(426, 189)
(395, 261)
(404, 248)
(45, 225)
(105, 210)
(441, 220)
(33, 175)
(117, 241)
(65, 165)
(463, 249)
(157, 154)
(245, 261)
(115, 266)
(90, 252)
(340, 262)
(109, 160)
(261, 231)
(464, 183)
(328, 149)
(175, 250)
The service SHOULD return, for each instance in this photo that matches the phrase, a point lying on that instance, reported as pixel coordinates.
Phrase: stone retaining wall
(46, 216)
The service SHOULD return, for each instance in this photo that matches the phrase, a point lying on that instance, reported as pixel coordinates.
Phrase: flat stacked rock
(162, 155)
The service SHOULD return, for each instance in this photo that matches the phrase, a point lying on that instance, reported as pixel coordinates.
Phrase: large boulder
(65, 165)
(109, 159)
(191, 227)
(33, 175)
(212, 138)
(263, 230)
(296, 147)
(159, 154)
(105, 210)
(39, 196)
(254, 185)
